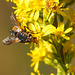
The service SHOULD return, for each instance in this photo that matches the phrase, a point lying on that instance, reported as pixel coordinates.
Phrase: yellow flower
(41, 50)
(36, 16)
(51, 4)
(37, 4)
(31, 10)
(56, 7)
(61, 10)
(40, 31)
(60, 32)
(28, 10)
(37, 55)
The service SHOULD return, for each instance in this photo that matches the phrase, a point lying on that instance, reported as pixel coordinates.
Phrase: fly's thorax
(22, 37)
(16, 29)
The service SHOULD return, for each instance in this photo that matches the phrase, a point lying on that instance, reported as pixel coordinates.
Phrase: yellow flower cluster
(28, 10)
(40, 31)
(31, 10)
(42, 50)
(46, 19)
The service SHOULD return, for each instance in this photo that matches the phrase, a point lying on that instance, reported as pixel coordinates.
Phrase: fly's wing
(10, 40)
(14, 21)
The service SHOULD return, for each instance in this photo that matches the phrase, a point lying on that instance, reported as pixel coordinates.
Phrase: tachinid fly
(17, 33)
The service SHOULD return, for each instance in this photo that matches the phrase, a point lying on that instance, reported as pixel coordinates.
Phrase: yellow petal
(57, 1)
(20, 1)
(32, 73)
(52, 74)
(31, 27)
(66, 37)
(36, 66)
(60, 26)
(68, 30)
(26, 2)
(31, 45)
(61, 5)
(36, 16)
(48, 29)
(37, 27)
(31, 15)
(23, 25)
(32, 64)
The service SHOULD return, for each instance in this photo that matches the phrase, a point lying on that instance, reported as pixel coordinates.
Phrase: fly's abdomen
(22, 36)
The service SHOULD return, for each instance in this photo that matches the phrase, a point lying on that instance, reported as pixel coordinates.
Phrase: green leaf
(69, 56)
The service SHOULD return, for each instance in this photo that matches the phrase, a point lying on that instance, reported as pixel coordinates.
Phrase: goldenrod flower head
(38, 16)
(37, 55)
(44, 49)
(60, 32)
(61, 10)
(56, 7)
(28, 10)
(40, 31)
(52, 4)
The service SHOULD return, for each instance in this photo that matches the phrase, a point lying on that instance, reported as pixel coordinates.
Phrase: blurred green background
(13, 58)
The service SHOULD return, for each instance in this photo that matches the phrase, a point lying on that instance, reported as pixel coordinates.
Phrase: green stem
(55, 20)
(60, 53)
(60, 70)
